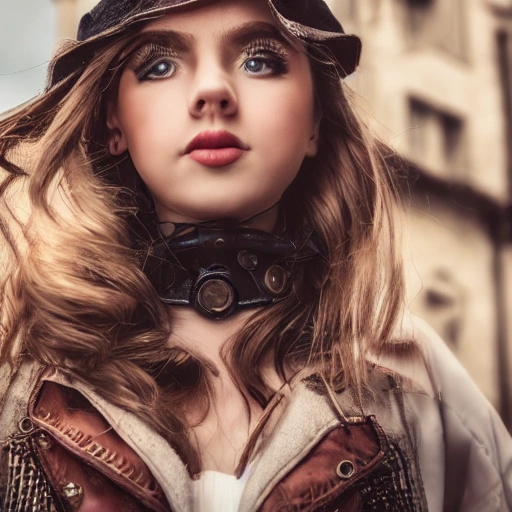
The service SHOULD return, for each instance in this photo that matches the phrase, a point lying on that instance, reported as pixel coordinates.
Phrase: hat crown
(107, 14)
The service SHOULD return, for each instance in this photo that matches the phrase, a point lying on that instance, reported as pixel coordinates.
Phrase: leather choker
(219, 268)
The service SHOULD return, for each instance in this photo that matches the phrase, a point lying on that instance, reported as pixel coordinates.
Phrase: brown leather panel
(79, 428)
(314, 481)
(98, 492)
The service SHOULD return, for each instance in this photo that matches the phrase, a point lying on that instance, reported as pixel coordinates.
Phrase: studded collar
(220, 268)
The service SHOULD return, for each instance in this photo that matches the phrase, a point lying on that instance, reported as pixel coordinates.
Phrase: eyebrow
(178, 41)
(247, 32)
(237, 36)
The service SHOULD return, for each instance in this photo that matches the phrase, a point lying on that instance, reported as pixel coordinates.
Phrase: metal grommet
(247, 260)
(25, 425)
(74, 494)
(44, 441)
(215, 296)
(219, 243)
(275, 280)
(345, 469)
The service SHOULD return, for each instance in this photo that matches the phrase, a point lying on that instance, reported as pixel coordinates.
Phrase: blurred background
(436, 83)
(437, 77)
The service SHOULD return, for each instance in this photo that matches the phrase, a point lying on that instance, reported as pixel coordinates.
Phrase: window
(437, 139)
(437, 23)
(418, 14)
(443, 305)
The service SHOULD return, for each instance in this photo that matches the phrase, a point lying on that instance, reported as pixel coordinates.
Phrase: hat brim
(345, 49)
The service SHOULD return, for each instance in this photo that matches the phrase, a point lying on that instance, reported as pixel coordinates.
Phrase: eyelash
(149, 58)
(147, 72)
(270, 53)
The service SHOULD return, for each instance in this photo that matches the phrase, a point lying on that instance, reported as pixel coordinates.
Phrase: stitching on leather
(87, 444)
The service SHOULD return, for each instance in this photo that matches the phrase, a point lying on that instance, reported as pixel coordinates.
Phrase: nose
(212, 93)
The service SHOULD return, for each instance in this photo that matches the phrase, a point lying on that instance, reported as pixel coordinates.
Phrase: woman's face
(216, 110)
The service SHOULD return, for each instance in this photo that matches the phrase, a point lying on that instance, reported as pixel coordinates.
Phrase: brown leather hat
(309, 20)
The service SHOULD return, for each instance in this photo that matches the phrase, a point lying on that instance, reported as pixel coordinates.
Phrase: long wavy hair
(74, 297)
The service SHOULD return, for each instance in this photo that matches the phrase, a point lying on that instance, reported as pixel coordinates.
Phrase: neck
(204, 337)
(219, 434)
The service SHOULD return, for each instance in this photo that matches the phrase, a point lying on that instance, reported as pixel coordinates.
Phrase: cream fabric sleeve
(476, 448)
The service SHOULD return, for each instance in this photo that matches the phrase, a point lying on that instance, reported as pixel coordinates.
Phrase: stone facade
(432, 84)
(432, 78)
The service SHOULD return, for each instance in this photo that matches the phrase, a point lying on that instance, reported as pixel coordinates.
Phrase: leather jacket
(424, 438)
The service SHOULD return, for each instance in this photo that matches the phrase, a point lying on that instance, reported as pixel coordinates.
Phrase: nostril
(208, 105)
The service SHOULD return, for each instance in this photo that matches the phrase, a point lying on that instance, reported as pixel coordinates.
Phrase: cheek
(148, 118)
(285, 124)
(140, 125)
(286, 114)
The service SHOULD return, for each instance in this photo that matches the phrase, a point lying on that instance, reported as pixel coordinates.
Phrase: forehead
(214, 16)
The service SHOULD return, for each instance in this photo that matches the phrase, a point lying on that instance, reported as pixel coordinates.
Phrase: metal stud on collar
(215, 296)
(275, 280)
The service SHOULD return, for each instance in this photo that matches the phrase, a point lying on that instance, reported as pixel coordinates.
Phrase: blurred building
(436, 75)
(69, 13)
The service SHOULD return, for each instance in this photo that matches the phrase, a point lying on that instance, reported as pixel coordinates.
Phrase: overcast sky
(27, 35)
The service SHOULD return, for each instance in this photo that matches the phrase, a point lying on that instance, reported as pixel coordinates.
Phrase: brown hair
(347, 303)
(74, 296)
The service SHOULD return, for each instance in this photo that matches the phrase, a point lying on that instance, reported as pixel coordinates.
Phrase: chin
(226, 209)
(205, 214)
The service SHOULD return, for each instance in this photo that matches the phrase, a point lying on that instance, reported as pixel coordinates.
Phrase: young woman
(201, 294)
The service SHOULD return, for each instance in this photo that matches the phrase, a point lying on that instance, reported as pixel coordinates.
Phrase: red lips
(215, 148)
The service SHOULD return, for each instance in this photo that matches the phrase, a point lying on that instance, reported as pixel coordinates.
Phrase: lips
(216, 148)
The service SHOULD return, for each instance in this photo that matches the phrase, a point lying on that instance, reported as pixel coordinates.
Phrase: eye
(265, 63)
(257, 65)
(164, 68)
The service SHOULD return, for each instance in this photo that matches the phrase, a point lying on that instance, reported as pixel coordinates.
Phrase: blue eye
(256, 65)
(161, 69)
(265, 63)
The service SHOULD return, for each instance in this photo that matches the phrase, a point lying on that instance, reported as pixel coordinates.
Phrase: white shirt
(217, 492)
